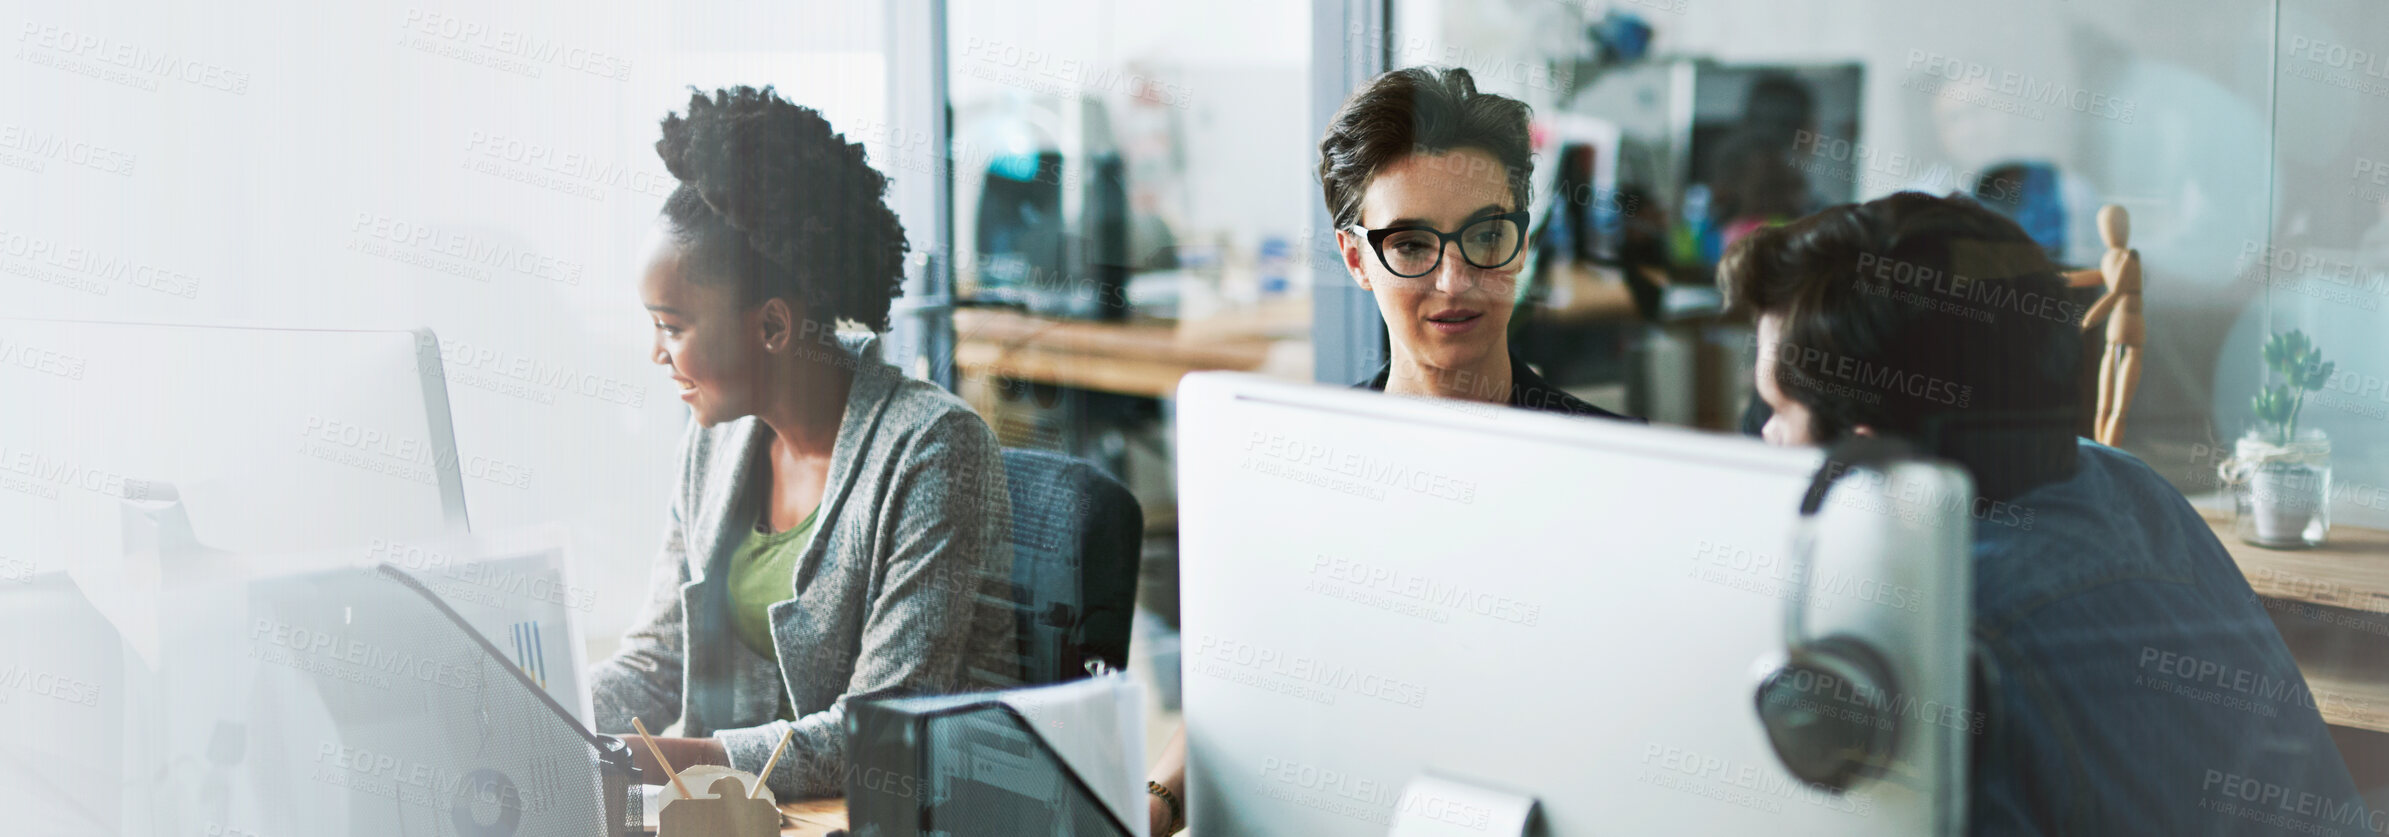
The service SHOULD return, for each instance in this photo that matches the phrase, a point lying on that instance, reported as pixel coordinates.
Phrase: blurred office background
(1105, 195)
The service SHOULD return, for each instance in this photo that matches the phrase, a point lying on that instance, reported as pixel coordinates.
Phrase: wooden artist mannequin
(2120, 307)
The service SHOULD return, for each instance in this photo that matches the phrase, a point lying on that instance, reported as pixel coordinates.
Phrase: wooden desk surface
(1148, 357)
(2355, 696)
(2350, 570)
(813, 817)
(1584, 293)
(1136, 358)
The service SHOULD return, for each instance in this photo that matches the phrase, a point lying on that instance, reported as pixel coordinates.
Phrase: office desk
(1147, 357)
(1690, 367)
(1587, 293)
(1144, 358)
(2350, 571)
(813, 817)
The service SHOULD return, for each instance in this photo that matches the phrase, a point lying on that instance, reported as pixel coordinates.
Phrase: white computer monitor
(1376, 588)
(275, 440)
(135, 458)
(131, 450)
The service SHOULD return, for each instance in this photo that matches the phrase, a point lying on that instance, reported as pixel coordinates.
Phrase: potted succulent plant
(2281, 474)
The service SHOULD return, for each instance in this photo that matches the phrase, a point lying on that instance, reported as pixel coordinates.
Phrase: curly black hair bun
(773, 199)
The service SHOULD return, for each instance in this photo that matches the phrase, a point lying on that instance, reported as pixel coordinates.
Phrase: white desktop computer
(274, 440)
(1401, 612)
(177, 503)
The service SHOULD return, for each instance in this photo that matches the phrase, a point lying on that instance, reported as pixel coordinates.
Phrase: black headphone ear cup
(1828, 712)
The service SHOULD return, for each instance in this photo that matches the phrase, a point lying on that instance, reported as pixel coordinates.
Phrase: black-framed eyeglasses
(1415, 250)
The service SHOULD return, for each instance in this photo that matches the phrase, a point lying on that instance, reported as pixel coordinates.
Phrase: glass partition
(1130, 191)
(2047, 110)
(2321, 271)
(1114, 162)
(2324, 267)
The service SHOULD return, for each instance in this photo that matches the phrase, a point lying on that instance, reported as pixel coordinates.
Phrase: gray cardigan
(904, 590)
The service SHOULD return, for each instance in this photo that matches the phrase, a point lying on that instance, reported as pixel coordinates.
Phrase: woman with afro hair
(839, 530)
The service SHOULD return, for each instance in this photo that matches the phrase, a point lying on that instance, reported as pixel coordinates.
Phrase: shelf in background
(2349, 695)
(1136, 358)
(2350, 570)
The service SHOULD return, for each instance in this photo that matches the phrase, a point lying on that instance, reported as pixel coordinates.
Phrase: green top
(762, 574)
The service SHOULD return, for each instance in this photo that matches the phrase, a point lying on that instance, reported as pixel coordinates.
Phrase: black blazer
(1527, 391)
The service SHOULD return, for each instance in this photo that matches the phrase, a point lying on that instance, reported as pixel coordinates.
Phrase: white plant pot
(2283, 492)
(2282, 501)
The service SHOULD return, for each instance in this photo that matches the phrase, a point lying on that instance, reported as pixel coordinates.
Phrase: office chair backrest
(1077, 537)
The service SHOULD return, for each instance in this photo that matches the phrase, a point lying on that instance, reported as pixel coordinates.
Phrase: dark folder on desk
(974, 765)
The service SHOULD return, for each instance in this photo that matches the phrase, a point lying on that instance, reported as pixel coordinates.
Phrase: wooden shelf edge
(2350, 571)
(1148, 340)
(2348, 698)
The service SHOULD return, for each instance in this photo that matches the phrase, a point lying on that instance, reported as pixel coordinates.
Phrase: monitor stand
(1441, 806)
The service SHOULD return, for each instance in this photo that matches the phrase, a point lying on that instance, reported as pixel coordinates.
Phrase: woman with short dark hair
(1426, 179)
(839, 530)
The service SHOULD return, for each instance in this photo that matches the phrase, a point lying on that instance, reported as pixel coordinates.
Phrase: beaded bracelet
(1177, 809)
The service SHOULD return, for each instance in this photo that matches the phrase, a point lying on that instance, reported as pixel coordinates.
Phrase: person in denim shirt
(2131, 681)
